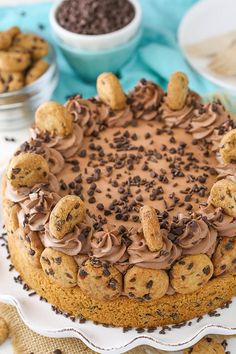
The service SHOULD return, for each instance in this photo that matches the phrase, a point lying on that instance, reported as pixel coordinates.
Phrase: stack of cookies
(21, 59)
(121, 208)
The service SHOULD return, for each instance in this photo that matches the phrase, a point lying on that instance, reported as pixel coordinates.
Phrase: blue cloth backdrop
(157, 57)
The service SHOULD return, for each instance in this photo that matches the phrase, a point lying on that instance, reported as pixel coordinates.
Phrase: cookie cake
(121, 208)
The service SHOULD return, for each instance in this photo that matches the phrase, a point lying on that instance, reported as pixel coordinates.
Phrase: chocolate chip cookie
(100, 280)
(145, 284)
(67, 213)
(32, 42)
(14, 61)
(151, 228)
(11, 81)
(224, 258)
(223, 195)
(54, 118)
(206, 346)
(59, 267)
(35, 71)
(191, 273)
(26, 170)
(110, 91)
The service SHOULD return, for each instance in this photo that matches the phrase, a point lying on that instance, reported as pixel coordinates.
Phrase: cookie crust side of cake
(172, 309)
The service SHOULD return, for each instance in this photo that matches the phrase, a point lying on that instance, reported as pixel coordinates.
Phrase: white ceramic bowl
(100, 41)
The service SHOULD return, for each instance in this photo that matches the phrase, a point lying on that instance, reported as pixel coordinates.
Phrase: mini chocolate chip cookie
(6, 37)
(11, 81)
(100, 280)
(54, 118)
(206, 346)
(67, 213)
(26, 170)
(32, 246)
(151, 228)
(14, 61)
(228, 146)
(224, 258)
(191, 273)
(145, 284)
(35, 71)
(4, 330)
(110, 91)
(32, 42)
(59, 267)
(177, 91)
(223, 195)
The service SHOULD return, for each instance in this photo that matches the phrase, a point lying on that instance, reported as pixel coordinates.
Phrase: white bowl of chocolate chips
(95, 24)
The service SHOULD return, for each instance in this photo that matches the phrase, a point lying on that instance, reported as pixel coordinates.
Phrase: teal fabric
(157, 57)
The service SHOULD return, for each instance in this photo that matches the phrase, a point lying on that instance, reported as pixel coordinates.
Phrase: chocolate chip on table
(94, 16)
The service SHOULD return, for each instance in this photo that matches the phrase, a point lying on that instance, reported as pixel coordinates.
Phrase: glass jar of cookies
(17, 107)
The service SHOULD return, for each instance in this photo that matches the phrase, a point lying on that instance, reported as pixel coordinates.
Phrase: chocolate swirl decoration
(115, 118)
(109, 245)
(141, 255)
(182, 117)
(74, 243)
(206, 119)
(145, 99)
(198, 237)
(85, 113)
(225, 225)
(67, 145)
(35, 210)
(21, 194)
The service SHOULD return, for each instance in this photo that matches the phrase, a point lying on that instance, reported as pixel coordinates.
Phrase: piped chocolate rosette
(127, 198)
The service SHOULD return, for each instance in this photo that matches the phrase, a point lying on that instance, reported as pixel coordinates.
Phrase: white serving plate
(38, 316)
(204, 20)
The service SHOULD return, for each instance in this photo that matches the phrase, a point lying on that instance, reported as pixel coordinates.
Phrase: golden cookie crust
(67, 213)
(145, 284)
(32, 247)
(223, 195)
(54, 118)
(224, 258)
(59, 267)
(100, 280)
(36, 70)
(190, 273)
(110, 91)
(26, 170)
(169, 309)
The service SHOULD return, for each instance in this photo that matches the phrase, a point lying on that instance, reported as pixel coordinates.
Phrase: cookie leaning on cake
(127, 202)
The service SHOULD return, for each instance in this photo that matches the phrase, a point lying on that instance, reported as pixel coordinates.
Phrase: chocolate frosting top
(117, 170)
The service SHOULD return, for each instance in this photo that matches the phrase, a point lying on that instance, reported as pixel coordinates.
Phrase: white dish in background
(96, 42)
(204, 20)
